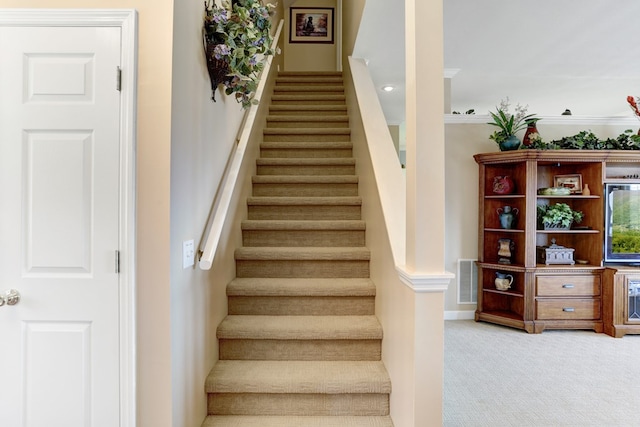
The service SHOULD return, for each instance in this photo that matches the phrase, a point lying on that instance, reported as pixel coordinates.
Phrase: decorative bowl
(554, 191)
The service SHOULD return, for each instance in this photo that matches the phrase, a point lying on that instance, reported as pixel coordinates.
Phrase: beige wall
(311, 56)
(203, 135)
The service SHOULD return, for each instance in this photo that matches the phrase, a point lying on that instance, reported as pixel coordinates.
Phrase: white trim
(449, 73)
(421, 283)
(127, 21)
(551, 120)
(459, 315)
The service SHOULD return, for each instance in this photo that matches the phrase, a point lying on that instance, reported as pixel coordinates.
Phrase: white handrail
(222, 203)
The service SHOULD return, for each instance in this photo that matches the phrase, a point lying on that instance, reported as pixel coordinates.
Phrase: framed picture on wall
(311, 25)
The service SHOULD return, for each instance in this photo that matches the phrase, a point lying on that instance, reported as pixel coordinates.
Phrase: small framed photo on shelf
(572, 182)
(311, 25)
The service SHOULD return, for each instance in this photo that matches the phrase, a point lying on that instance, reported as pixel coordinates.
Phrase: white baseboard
(459, 315)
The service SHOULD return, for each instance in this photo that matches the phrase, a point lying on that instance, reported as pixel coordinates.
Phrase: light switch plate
(188, 254)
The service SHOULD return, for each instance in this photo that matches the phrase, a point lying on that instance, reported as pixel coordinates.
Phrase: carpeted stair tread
(301, 287)
(306, 144)
(310, 73)
(307, 98)
(309, 88)
(326, 79)
(302, 225)
(290, 109)
(306, 377)
(309, 79)
(300, 327)
(305, 179)
(296, 118)
(306, 131)
(302, 253)
(280, 161)
(296, 421)
(305, 201)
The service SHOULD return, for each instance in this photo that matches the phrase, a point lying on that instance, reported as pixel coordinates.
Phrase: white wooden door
(59, 214)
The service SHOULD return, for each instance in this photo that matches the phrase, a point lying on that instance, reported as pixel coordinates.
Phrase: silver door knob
(11, 297)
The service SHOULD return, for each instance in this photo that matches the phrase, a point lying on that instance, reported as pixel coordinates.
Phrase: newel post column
(424, 269)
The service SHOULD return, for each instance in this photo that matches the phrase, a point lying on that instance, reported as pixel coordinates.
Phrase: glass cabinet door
(633, 308)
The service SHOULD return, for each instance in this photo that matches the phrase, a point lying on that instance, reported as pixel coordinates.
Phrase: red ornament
(503, 185)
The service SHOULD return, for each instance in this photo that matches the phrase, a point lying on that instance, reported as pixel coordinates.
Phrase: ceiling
(550, 55)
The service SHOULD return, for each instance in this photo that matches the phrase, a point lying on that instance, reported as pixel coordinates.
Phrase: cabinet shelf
(509, 293)
(504, 230)
(570, 197)
(505, 196)
(592, 231)
(503, 314)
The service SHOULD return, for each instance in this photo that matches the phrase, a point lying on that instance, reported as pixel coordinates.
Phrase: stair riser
(307, 170)
(310, 74)
(302, 137)
(297, 404)
(306, 112)
(302, 81)
(303, 101)
(308, 153)
(305, 190)
(302, 269)
(307, 92)
(292, 213)
(301, 306)
(304, 90)
(293, 124)
(296, 238)
(333, 350)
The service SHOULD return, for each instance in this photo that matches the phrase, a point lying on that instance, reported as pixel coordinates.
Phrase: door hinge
(118, 79)
(117, 262)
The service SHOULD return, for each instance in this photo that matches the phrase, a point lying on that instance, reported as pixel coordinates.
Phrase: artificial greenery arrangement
(587, 140)
(236, 38)
(558, 215)
(507, 123)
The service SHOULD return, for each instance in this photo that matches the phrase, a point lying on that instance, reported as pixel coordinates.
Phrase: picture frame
(311, 25)
(573, 182)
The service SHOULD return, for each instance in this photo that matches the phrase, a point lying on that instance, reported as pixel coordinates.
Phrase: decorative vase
(217, 68)
(503, 184)
(503, 281)
(586, 191)
(511, 143)
(531, 128)
(507, 216)
(505, 251)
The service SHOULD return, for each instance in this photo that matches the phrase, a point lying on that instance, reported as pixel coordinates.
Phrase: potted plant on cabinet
(509, 124)
(558, 216)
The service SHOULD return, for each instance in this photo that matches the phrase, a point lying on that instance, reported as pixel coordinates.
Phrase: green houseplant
(557, 216)
(237, 38)
(509, 124)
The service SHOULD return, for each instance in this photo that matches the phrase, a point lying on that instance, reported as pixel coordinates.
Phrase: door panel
(59, 189)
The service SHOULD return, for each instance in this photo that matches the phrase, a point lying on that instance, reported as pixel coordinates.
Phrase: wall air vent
(467, 281)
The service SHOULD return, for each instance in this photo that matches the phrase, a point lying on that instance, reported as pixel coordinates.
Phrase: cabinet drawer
(568, 309)
(556, 286)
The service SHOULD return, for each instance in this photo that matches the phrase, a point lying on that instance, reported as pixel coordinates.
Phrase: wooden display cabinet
(541, 296)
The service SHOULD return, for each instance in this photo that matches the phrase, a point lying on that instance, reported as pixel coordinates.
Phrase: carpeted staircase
(301, 344)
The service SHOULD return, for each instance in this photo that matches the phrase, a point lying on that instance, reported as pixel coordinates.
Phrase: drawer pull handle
(568, 286)
(568, 309)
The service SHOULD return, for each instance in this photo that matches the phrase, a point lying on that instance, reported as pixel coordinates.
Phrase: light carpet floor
(498, 376)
